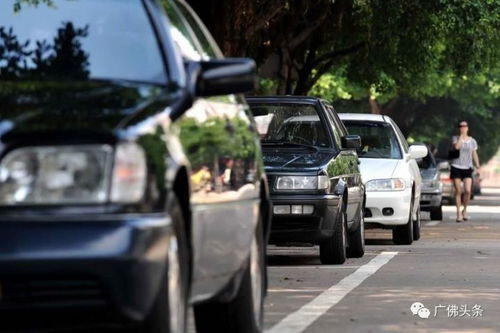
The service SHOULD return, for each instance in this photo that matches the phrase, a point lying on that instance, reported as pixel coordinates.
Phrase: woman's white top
(464, 161)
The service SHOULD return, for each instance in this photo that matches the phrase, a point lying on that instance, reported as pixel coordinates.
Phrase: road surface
(453, 272)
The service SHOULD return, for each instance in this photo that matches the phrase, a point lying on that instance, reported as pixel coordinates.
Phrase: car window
(208, 45)
(182, 34)
(402, 138)
(78, 40)
(340, 125)
(378, 139)
(428, 162)
(335, 127)
(290, 123)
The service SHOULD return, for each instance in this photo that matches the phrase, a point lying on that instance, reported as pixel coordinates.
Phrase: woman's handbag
(453, 154)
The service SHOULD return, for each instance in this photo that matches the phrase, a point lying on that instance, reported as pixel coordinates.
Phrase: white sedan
(390, 173)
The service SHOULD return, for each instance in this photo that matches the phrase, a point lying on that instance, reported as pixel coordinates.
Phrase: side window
(182, 34)
(336, 132)
(402, 138)
(207, 43)
(338, 122)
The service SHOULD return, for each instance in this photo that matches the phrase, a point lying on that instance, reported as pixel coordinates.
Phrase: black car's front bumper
(110, 265)
(310, 228)
(430, 199)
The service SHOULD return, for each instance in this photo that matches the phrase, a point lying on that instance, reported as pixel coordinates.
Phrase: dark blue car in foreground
(127, 193)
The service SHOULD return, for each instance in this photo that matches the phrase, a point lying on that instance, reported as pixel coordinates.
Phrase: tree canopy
(425, 63)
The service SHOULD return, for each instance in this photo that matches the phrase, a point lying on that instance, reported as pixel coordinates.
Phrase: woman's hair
(462, 121)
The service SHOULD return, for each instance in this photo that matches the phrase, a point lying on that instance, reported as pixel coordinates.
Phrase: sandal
(459, 220)
(465, 217)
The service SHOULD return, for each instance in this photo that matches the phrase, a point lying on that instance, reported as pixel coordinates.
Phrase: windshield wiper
(287, 144)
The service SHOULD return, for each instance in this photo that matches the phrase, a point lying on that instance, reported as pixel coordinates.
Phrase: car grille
(46, 293)
(295, 223)
(270, 183)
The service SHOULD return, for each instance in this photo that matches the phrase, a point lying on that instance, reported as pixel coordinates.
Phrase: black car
(126, 192)
(313, 175)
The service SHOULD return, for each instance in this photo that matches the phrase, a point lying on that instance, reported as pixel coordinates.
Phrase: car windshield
(427, 162)
(287, 123)
(378, 139)
(78, 40)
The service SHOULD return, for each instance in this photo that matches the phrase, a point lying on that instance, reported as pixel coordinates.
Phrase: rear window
(290, 123)
(78, 39)
(378, 139)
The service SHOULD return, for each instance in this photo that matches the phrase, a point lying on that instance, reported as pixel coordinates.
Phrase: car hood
(48, 108)
(377, 168)
(287, 160)
(428, 174)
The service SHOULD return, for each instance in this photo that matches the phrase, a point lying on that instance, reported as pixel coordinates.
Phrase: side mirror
(225, 76)
(351, 142)
(418, 151)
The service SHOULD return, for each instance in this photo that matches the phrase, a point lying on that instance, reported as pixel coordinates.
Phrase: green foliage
(266, 86)
(18, 4)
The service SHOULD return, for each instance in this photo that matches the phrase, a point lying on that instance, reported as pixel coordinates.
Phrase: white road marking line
(433, 223)
(280, 268)
(299, 320)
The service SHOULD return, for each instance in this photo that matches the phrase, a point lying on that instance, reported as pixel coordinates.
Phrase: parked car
(448, 188)
(431, 198)
(390, 174)
(127, 193)
(476, 184)
(313, 175)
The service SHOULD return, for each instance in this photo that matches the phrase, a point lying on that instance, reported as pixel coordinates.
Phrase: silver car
(432, 187)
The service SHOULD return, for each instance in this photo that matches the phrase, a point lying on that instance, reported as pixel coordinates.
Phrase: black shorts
(457, 173)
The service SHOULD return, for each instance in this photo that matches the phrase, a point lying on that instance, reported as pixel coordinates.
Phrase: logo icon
(419, 309)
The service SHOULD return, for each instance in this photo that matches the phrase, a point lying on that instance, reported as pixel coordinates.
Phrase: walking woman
(462, 168)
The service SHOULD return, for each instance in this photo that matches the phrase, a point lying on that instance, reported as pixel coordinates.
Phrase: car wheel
(403, 235)
(333, 251)
(356, 247)
(417, 226)
(245, 313)
(437, 214)
(169, 312)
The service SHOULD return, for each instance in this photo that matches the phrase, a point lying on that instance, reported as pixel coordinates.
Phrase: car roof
(284, 99)
(365, 117)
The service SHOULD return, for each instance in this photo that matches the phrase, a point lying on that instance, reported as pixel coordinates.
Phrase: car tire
(403, 234)
(334, 250)
(356, 247)
(244, 313)
(169, 311)
(437, 214)
(417, 226)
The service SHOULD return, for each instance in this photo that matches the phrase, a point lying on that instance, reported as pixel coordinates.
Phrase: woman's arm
(475, 157)
(456, 142)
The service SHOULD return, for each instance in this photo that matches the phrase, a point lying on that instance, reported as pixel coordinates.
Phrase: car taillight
(445, 178)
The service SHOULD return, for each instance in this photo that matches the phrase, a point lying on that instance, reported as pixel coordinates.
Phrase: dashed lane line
(299, 320)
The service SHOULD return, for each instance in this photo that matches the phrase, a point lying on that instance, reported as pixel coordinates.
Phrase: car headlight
(286, 183)
(79, 174)
(393, 184)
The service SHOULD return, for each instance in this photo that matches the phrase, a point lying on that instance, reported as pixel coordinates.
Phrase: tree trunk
(375, 107)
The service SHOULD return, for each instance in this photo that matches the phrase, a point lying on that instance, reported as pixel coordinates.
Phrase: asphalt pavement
(448, 281)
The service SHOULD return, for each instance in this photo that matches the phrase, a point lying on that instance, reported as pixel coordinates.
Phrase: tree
(403, 40)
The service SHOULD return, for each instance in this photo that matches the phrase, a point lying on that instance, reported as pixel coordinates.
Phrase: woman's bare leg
(458, 197)
(467, 193)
